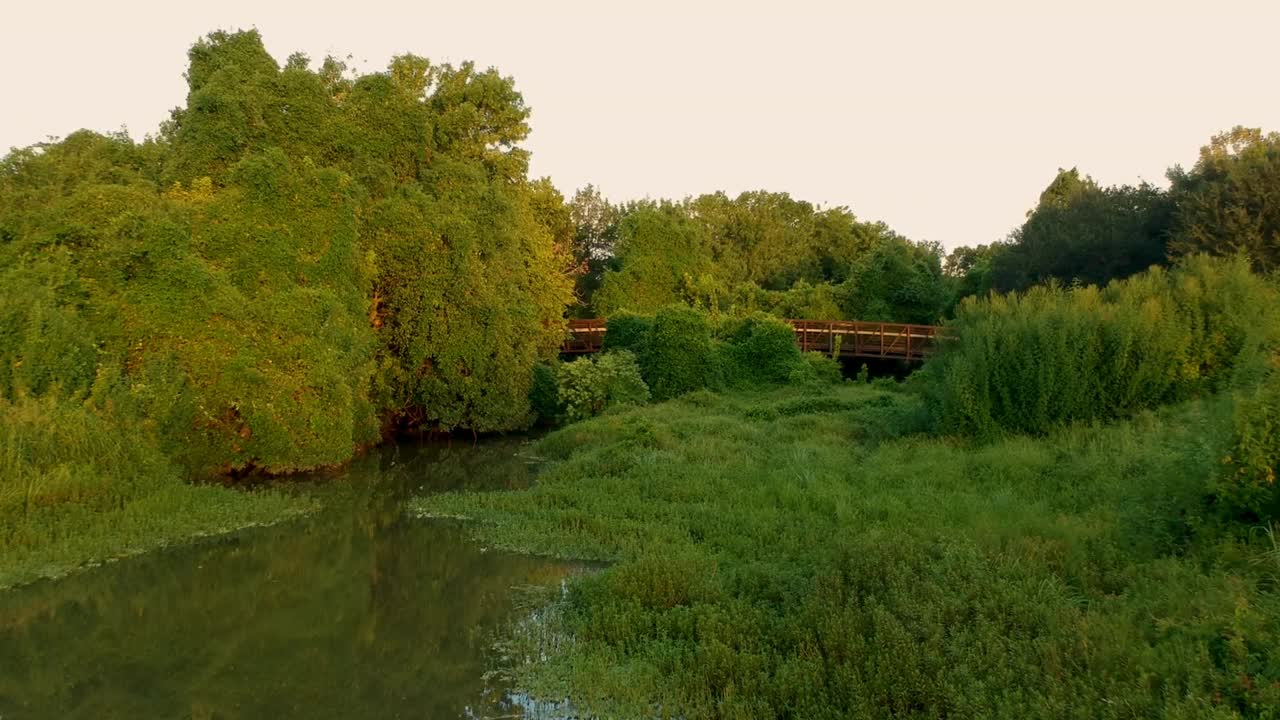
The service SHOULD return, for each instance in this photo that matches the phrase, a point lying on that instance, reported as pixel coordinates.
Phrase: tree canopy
(302, 257)
(306, 258)
(1229, 202)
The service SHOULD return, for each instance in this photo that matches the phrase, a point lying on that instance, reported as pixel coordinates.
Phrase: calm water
(356, 612)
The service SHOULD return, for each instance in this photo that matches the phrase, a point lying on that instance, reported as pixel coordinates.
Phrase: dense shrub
(627, 331)
(306, 256)
(816, 369)
(678, 357)
(1247, 484)
(758, 349)
(1028, 362)
(588, 386)
(544, 393)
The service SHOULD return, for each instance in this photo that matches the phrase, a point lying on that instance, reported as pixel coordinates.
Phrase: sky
(943, 119)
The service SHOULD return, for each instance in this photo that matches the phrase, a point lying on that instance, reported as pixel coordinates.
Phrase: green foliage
(799, 555)
(1229, 202)
(1081, 232)
(544, 393)
(759, 251)
(80, 483)
(301, 259)
(816, 370)
(758, 350)
(627, 331)
(1246, 485)
(46, 343)
(896, 281)
(679, 355)
(596, 224)
(969, 270)
(657, 248)
(590, 385)
(463, 324)
(805, 301)
(1030, 362)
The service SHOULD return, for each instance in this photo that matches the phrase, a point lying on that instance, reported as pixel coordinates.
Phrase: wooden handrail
(902, 341)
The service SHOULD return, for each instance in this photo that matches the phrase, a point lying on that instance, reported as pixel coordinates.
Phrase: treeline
(306, 259)
(767, 251)
(302, 260)
(1228, 203)
(760, 251)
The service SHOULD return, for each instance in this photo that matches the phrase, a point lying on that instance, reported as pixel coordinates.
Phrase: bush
(678, 356)
(815, 369)
(1247, 487)
(544, 393)
(758, 349)
(627, 331)
(588, 386)
(1032, 361)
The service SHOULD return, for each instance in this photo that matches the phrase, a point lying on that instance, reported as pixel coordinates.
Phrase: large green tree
(1082, 232)
(301, 256)
(659, 250)
(1229, 202)
(896, 281)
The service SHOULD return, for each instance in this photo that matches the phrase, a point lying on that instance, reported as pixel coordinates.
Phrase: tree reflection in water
(357, 611)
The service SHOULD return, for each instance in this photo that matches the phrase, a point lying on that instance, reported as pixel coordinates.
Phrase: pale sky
(944, 119)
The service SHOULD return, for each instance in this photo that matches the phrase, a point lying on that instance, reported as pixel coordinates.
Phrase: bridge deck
(847, 338)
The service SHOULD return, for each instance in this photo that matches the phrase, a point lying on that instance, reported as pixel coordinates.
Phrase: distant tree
(897, 281)
(658, 249)
(841, 240)
(968, 269)
(759, 237)
(595, 222)
(1081, 232)
(1229, 202)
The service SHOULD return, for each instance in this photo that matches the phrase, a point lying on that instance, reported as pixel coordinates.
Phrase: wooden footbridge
(845, 338)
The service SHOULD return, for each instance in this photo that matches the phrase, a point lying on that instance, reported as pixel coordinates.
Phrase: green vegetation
(678, 354)
(588, 386)
(306, 261)
(1031, 362)
(758, 350)
(1081, 232)
(787, 554)
(1247, 485)
(758, 252)
(1228, 202)
(74, 485)
(303, 261)
(301, 258)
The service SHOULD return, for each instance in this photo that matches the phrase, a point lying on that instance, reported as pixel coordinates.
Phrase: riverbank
(62, 540)
(820, 555)
(78, 491)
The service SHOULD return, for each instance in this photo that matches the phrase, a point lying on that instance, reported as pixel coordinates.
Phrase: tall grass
(1247, 484)
(801, 556)
(78, 485)
(1033, 361)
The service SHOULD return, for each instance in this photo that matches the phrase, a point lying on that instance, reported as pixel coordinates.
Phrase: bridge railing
(585, 336)
(854, 338)
(851, 338)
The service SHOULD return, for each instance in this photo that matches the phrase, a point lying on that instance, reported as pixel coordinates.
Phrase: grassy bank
(818, 555)
(77, 489)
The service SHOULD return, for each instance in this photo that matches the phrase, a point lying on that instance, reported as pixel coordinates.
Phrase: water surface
(357, 611)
